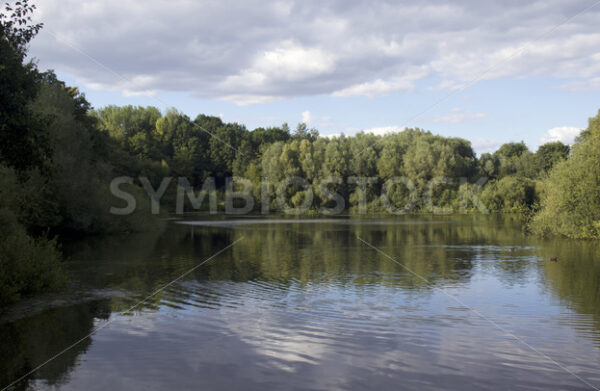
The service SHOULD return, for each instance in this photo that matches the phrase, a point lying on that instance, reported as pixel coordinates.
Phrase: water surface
(455, 302)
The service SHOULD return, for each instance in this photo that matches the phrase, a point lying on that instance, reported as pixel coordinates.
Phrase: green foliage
(509, 194)
(415, 154)
(571, 203)
(55, 164)
(513, 159)
(145, 142)
(73, 195)
(22, 132)
(549, 154)
(27, 265)
(302, 132)
(16, 27)
(489, 165)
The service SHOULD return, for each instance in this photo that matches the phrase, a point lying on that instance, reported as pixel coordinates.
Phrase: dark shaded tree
(23, 139)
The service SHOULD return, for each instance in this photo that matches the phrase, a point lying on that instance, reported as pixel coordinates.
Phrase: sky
(487, 71)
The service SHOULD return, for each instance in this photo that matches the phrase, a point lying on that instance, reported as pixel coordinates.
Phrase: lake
(407, 302)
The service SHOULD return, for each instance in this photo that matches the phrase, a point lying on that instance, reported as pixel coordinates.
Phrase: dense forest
(58, 156)
(151, 145)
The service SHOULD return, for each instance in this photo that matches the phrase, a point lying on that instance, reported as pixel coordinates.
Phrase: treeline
(156, 146)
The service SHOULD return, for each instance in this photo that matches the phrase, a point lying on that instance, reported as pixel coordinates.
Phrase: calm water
(305, 304)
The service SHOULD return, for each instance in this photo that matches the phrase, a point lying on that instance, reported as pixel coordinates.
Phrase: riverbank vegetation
(172, 145)
(58, 156)
(571, 202)
(54, 167)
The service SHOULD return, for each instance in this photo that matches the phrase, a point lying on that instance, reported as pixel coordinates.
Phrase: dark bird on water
(554, 259)
(512, 250)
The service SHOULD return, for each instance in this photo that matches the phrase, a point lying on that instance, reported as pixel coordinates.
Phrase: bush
(27, 265)
(509, 194)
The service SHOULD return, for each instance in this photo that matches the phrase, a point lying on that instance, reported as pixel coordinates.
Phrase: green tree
(509, 194)
(23, 139)
(489, 165)
(514, 159)
(571, 203)
(549, 154)
(302, 132)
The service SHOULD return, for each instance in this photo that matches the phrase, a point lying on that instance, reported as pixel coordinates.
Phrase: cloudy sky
(484, 70)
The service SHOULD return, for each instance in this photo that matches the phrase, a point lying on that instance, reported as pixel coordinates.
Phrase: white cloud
(377, 131)
(449, 85)
(292, 61)
(258, 51)
(377, 87)
(582, 85)
(482, 145)
(135, 86)
(456, 116)
(564, 134)
(286, 62)
(307, 117)
(383, 130)
(383, 87)
(243, 100)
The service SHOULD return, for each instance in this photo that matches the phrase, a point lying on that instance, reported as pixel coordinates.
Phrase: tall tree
(23, 140)
(549, 154)
(571, 204)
